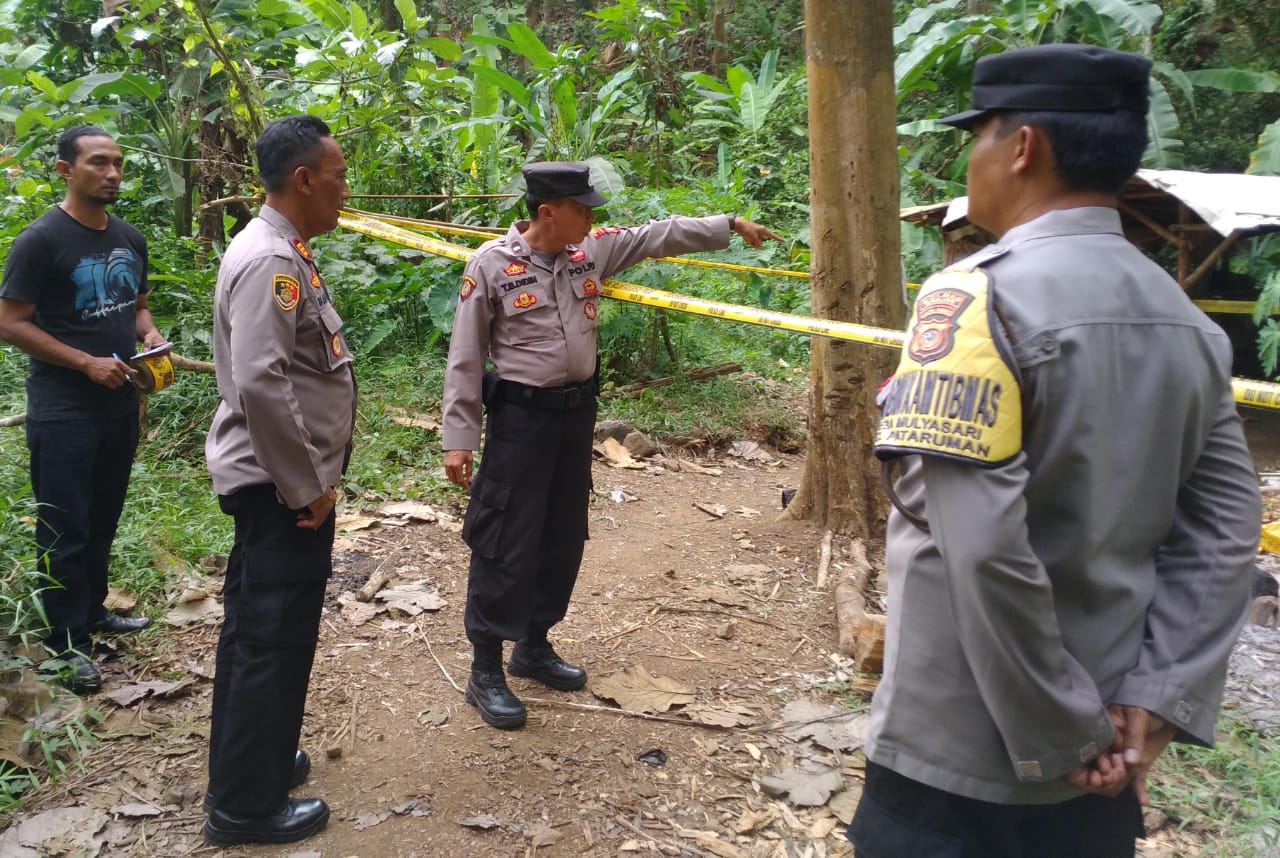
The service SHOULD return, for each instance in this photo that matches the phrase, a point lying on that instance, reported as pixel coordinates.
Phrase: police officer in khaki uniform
(278, 446)
(1077, 516)
(529, 303)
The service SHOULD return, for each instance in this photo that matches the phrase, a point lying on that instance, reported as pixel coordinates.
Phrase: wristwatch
(733, 222)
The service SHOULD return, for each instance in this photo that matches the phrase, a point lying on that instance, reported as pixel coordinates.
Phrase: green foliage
(1230, 792)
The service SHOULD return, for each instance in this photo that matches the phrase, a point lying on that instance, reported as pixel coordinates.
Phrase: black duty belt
(565, 398)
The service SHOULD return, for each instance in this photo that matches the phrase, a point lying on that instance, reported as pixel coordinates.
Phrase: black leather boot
(536, 659)
(300, 818)
(487, 690)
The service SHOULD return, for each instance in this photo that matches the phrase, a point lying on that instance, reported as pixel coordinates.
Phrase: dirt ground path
(688, 575)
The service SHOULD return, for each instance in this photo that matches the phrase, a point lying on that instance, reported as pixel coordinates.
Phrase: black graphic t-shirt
(85, 284)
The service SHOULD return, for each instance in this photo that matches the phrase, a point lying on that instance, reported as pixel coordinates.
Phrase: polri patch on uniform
(524, 301)
(578, 255)
(598, 231)
(468, 286)
(933, 334)
(589, 310)
(956, 390)
(301, 246)
(286, 291)
(590, 287)
(335, 345)
(515, 269)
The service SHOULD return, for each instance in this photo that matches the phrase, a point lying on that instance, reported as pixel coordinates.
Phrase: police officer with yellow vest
(529, 303)
(278, 446)
(1071, 552)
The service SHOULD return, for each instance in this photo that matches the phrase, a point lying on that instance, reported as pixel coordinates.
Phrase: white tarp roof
(1225, 201)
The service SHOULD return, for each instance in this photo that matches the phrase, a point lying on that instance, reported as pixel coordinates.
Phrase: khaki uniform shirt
(284, 369)
(537, 322)
(1108, 562)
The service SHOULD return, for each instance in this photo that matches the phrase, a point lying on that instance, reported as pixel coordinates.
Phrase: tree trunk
(719, 50)
(857, 272)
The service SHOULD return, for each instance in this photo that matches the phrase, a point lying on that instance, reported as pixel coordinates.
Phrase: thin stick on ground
(422, 633)
(587, 707)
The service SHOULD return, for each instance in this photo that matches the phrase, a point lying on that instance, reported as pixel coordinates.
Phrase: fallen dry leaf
(544, 836)
(205, 610)
(833, 727)
(637, 689)
(711, 842)
(350, 523)
(754, 820)
(412, 510)
(369, 818)
(130, 694)
(803, 788)
(483, 821)
(724, 715)
(411, 599)
(616, 455)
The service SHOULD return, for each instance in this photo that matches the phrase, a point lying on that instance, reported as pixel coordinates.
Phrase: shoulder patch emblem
(956, 392)
(286, 291)
(590, 287)
(335, 345)
(598, 231)
(514, 269)
(578, 255)
(524, 300)
(589, 309)
(468, 286)
(933, 334)
(301, 246)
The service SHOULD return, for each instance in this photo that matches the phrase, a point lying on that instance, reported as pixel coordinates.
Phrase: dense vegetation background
(682, 106)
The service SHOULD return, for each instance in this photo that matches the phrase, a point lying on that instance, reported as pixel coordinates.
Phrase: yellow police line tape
(487, 233)
(1260, 394)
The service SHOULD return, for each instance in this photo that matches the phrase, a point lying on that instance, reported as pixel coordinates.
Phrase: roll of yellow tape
(154, 373)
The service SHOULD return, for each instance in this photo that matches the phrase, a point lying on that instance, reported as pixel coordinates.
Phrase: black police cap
(1067, 78)
(557, 180)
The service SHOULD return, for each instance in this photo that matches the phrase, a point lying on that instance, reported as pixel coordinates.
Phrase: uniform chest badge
(590, 287)
(300, 246)
(468, 286)
(286, 291)
(524, 301)
(335, 345)
(589, 310)
(934, 333)
(578, 255)
(514, 269)
(315, 279)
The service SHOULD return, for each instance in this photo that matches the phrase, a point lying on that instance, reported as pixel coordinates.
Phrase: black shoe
(301, 768)
(539, 661)
(487, 691)
(300, 818)
(80, 675)
(114, 624)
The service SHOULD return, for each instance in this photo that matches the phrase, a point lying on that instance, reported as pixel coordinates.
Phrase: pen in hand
(128, 379)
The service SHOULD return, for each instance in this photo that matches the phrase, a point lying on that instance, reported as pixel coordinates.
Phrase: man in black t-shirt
(74, 298)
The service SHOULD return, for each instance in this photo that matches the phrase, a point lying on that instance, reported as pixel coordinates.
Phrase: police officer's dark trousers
(272, 597)
(527, 519)
(898, 817)
(79, 476)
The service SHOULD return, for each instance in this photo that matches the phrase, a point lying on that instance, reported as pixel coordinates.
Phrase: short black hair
(1092, 151)
(69, 141)
(286, 144)
(532, 203)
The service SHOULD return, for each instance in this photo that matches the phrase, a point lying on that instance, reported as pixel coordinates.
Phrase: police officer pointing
(277, 448)
(1077, 515)
(529, 304)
